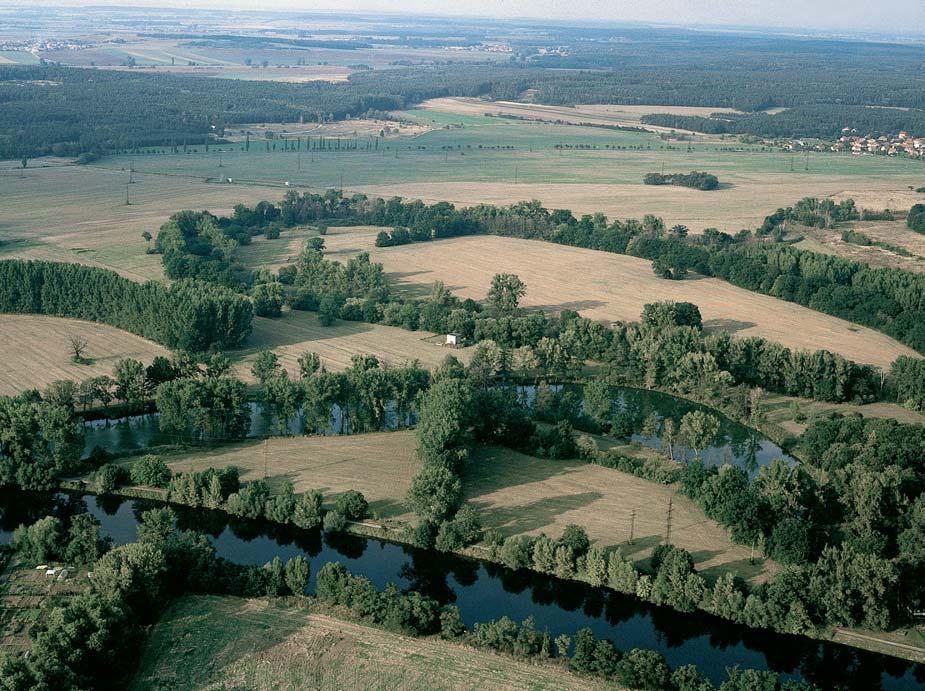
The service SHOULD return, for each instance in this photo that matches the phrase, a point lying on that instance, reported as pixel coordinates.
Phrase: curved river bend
(484, 591)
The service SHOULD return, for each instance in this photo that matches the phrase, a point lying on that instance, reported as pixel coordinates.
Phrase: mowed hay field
(299, 332)
(78, 213)
(213, 642)
(519, 494)
(612, 287)
(35, 350)
(380, 465)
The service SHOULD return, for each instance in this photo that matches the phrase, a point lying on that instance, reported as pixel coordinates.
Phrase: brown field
(212, 642)
(613, 287)
(297, 332)
(520, 494)
(360, 127)
(743, 205)
(623, 115)
(379, 465)
(778, 411)
(78, 214)
(35, 350)
(828, 241)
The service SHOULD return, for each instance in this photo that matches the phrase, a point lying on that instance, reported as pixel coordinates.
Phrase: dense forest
(825, 86)
(189, 315)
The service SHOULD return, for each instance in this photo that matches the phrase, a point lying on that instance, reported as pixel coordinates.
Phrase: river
(484, 591)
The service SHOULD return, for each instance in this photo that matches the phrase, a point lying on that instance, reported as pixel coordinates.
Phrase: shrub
(449, 537)
(352, 505)
(423, 534)
(516, 552)
(109, 478)
(308, 512)
(334, 521)
(451, 625)
(576, 538)
(150, 470)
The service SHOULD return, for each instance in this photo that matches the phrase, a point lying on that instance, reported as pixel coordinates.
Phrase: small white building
(453, 340)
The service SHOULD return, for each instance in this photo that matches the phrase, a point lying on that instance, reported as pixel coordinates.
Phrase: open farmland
(380, 465)
(894, 233)
(214, 642)
(519, 494)
(35, 350)
(614, 287)
(78, 213)
(620, 115)
(297, 332)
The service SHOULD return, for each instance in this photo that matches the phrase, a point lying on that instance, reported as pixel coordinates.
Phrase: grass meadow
(212, 642)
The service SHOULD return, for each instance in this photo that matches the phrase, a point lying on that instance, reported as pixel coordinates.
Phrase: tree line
(189, 315)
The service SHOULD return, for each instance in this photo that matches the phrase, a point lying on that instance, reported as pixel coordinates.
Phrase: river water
(484, 591)
(735, 444)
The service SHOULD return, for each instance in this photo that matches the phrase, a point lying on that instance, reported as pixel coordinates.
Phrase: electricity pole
(668, 523)
(266, 447)
(632, 525)
(127, 202)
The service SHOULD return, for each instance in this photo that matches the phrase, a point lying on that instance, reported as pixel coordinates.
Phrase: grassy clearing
(779, 411)
(379, 465)
(35, 350)
(520, 494)
(297, 332)
(615, 287)
(210, 642)
(893, 233)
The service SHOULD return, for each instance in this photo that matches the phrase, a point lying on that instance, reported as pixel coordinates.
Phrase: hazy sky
(907, 16)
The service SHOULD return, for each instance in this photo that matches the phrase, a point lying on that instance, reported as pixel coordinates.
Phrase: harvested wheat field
(621, 115)
(213, 642)
(744, 204)
(519, 494)
(78, 214)
(614, 287)
(380, 465)
(298, 332)
(36, 350)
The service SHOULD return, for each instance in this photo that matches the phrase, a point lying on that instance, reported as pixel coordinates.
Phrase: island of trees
(694, 179)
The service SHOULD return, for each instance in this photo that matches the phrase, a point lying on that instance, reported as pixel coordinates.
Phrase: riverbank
(899, 643)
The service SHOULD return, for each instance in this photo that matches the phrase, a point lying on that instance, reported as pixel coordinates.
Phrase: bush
(449, 537)
(109, 478)
(39, 542)
(308, 512)
(352, 505)
(576, 539)
(334, 521)
(423, 534)
(516, 552)
(451, 625)
(151, 471)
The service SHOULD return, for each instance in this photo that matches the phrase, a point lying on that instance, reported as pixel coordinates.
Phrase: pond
(735, 444)
(484, 591)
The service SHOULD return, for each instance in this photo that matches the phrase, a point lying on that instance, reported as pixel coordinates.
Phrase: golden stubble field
(745, 204)
(380, 465)
(613, 287)
(78, 213)
(297, 332)
(35, 350)
(520, 494)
